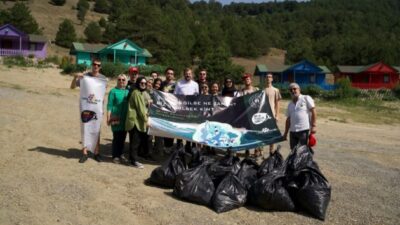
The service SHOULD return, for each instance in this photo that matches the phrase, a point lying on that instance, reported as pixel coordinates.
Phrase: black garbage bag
(223, 167)
(269, 192)
(274, 161)
(230, 194)
(312, 191)
(248, 172)
(195, 185)
(299, 158)
(165, 175)
(196, 157)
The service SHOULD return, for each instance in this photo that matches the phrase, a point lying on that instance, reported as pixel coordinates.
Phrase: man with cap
(301, 117)
(248, 86)
(133, 75)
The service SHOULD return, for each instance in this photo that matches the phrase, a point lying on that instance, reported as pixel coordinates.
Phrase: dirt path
(42, 182)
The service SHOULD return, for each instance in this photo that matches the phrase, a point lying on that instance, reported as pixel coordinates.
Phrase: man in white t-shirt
(186, 86)
(301, 117)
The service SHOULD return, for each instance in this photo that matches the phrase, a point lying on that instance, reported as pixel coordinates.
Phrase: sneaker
(83, 158)
(137, 165)
(116, 160)
(123, 159)
(98, 158)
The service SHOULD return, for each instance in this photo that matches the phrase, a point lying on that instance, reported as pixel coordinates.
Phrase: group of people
(129, 100)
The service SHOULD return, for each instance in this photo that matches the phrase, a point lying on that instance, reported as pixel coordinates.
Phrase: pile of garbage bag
(228, 183)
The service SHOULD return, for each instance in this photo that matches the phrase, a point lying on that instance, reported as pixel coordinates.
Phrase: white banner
(92, 91)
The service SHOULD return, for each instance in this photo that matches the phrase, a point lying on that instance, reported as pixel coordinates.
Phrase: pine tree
(93, 33)
(65, 34)
(101, 6)
(20, 17)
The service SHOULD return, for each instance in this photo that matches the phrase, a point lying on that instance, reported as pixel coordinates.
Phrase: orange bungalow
(375, 76)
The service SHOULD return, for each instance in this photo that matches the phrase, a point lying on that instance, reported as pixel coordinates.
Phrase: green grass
(360, 110)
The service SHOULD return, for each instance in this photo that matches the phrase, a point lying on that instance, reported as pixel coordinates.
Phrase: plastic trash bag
(165, 174)
(223, 167)
(274, 161)
(195, 185)
(299, 158)
(230, 194)
(269, 192)
(312, 191)
(248, 172)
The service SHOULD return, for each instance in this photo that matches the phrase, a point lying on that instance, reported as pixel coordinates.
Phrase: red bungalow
(375, 76)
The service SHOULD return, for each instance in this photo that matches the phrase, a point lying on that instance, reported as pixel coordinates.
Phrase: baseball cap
(246, 75)
(312, 141)
(133, 69)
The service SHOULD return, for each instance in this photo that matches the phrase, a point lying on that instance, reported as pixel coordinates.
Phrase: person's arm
(287, 126)
(77, 77)
(276, 109)
(109, 106)
(313, 121)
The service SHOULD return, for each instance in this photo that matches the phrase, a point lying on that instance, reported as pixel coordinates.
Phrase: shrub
(110, 69)
(58, 2)
(17, 61)
(147, 69)
(396, 91)
(73, 68)
(312, 90)
(345, 90)
(52, 59)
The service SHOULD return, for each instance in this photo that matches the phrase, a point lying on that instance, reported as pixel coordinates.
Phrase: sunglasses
(96, 64)
(143, 82)
(204, 87)
(121, 79)
(292, 89)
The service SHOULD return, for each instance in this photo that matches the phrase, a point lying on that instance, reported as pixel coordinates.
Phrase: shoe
(83, 158)
(98, 158)
(137, 165)
(123, 159)
(116, 160)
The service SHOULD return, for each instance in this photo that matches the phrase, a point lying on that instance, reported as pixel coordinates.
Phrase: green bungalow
(124, 51)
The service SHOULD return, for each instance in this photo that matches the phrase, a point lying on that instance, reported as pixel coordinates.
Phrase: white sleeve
(310, 102)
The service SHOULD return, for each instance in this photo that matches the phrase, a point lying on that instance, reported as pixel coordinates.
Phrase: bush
(73, 68)
(345, 90)
(58, 2)
(52, 59)
(396, 91)
(110, 69)
(17, 61)
(312, 90)
(147, 69)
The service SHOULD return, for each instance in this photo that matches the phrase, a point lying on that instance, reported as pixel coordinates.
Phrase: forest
(181, 33)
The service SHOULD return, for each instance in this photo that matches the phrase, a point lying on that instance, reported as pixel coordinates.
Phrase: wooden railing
(373, 85)
(15, 52)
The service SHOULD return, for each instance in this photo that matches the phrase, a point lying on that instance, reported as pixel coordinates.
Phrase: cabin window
(6, 44)
(312, 78)
(386, 78)
(32, 46)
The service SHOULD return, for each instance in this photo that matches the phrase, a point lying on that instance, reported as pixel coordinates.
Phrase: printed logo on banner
(260, 118)
(91, 99)
(255, 101)
(88, 115)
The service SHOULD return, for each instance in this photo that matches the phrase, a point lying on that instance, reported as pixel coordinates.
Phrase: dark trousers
(138, 144)
(300, 137)
(188, 146)
(118, 143)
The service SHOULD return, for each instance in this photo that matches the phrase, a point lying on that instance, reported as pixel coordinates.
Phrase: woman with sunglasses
(117, 107)
(136, 123)
(229, 89)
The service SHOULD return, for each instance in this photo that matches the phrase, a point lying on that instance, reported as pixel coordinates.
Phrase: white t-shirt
(299, 113)
(184, 87)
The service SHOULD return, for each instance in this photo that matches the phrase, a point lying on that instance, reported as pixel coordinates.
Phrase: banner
(222, 122)
(92, 91)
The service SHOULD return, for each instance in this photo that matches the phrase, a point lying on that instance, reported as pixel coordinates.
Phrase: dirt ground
(42, 182)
